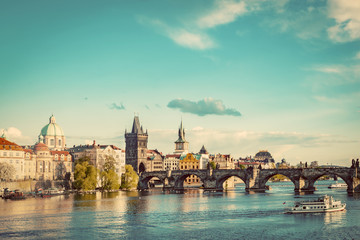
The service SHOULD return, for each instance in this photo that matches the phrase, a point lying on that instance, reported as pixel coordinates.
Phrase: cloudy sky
(242, 75)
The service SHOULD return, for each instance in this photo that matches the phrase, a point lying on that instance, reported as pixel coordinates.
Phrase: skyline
(282, 76)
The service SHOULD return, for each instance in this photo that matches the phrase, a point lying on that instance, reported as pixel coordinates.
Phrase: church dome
(41, 147)
(263, 154)
(52, 129)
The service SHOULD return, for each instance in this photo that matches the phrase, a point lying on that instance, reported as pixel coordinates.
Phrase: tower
(136, 146)
(181, 145)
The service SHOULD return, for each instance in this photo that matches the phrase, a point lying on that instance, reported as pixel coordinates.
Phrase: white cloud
(224, 12)
(15, 135)
(347, 16)
(192, 40)
(206, 106)
(328, 69)
(335, 75)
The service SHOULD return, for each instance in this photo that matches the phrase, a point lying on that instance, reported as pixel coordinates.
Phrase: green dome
(52, 129)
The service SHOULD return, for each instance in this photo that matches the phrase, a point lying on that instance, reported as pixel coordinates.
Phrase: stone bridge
(254, 179)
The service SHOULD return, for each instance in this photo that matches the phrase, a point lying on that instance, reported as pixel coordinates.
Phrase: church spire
(137, 128)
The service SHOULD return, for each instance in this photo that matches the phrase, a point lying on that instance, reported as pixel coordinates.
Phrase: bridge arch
(220, 181)
(179, 182)
(328, 172)
(265, 179)
(144, 181)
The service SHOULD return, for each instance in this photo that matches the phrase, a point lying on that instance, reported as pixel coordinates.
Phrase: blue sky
(242, 75)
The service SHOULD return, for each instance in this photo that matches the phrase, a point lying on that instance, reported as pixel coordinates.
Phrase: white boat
(320, 205)
(338, 185)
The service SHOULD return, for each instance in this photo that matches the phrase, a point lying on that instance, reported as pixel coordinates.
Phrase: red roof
(7, 145)
(59, 152)
(28, 150)
(173, 155)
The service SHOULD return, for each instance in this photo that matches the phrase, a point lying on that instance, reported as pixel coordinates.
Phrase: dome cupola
(52, 129)
(52, 135)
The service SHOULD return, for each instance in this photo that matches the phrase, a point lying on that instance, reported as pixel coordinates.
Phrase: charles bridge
(254, 179)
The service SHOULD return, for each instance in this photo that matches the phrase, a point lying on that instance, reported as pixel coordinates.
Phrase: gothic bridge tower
(136, 146)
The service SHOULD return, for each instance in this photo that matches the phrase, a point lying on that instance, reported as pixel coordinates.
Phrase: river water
(190, 215)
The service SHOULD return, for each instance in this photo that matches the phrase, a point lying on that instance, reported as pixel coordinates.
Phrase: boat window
(304, 207)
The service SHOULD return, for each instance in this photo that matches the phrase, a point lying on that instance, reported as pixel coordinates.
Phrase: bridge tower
(181, 145)
(136, 146)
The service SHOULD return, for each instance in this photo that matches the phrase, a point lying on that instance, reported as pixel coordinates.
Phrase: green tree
(212, 164)
(85, 175)
(130, 179)
(109, 178)
(241, 166)
(7, 171)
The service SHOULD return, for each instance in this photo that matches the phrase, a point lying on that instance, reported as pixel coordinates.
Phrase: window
(51, 142)
(5, 154)
(59, 142)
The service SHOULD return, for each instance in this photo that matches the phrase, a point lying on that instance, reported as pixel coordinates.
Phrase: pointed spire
(181, 133)
(136, 126)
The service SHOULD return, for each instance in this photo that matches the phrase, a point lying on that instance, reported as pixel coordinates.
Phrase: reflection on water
(192, 214)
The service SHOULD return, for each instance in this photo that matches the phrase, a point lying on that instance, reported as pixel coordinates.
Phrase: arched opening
(155, 182)
(150, 182)
(329, 182)
(278, 182)
(189, 181)
(142, 168)
(230, 183)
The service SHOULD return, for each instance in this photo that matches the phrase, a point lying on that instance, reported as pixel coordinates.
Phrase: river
(190, 215)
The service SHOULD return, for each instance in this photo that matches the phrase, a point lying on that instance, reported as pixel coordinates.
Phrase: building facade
(155, 161)
(136, 147)
(98, 154)
(190, 161)
(12, 154)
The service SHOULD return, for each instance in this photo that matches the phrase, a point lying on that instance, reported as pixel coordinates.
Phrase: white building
(98, 153)
(13, 154)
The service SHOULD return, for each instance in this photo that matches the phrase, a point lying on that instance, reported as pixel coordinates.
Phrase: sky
(243, 76)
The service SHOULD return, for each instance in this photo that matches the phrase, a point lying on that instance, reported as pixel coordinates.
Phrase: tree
(7, 171)
(130, 179)
(109, 178)
(241, 166)
(85, 175)
(212, 165)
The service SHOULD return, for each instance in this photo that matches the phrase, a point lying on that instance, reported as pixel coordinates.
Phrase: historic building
(171, 162)
(98, 153)
(50, 164)
(190, 161)
(224, 161)
(262, 159)
(13, 154)
(136, 147)
(52, 135)
(155, 161)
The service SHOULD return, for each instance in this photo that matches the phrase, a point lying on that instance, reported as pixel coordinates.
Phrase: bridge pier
(253, 181)
(304, 186)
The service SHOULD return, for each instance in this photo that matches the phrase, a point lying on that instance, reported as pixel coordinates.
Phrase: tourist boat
(13, 195)
(338, 185)
(320, 205)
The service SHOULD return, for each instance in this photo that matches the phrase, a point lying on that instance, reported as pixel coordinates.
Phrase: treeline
(87, 177)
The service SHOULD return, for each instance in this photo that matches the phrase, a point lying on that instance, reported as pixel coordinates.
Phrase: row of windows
(11, 154)
(186, 167)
